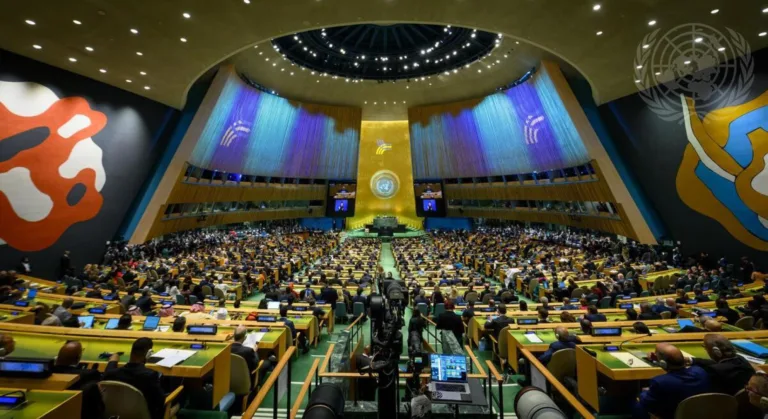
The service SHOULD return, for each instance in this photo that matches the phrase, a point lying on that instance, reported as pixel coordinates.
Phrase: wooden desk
(616, 370)
(45, 404)
(214, 359)
(56, 382)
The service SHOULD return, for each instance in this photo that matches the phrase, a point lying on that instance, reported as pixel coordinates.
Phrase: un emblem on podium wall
(385, 184)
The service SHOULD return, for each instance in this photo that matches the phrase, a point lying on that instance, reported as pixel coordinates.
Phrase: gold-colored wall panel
(385, 153)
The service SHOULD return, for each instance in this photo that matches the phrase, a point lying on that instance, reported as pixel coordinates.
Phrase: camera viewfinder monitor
(448, 368)
(151, 323)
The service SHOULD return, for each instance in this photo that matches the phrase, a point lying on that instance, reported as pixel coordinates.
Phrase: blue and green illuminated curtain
(521, 130)
(256, 133)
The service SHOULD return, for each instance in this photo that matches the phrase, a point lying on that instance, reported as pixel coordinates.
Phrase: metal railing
(284, 364)
(306, 388)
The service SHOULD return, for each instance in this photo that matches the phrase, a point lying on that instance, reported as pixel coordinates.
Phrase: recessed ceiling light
(479, 70)
(765, 10)
(699, 39)
(183, 39)
(599, 33)
(30, 22)
(77, 22)
(715, 11)
(596, 7)
(146, 87)
(375, 103)
(637, 81)
(102, 70)
(186, 15)
(365, 103)
(686, 62)
(651, 23)
(274, 64)
(247, 1)
(37, 46)
(139, 53)
(658, 73)
(639, 67)
(762, 33)
(128, 81)
(721, 49)
(134, 31)
(646, 46)
(89, 49)
(142, 73)
(73, 59)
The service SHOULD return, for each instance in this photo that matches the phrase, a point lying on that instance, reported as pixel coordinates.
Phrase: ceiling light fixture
(699, 39)
(142, 73)
(765, 10)
(658, 73)
(715, 11)
(77, 22)
(89, 49)
(762, 33)
(128, 81)
(599, 33)
(134, 31)
(646, 46)
(637, 81)
(639, 67)
(146, 87)
(721, 49)
(139, 53)
(186, 15)
(185, 40)
(596, 7)
(30, 22)
(37, 46)
(651, 23)
(74, 60)
(102, 70)
(687, 62)
(247, 1)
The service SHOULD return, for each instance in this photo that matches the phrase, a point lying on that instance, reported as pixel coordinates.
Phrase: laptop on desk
(449, 378)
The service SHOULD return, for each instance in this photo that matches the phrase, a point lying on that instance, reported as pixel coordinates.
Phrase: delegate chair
(745, 323)
(500, 347)
(341, 311)
(241, 384)
(126, 401)
(708, 406)
(357, 309)
(563, 364)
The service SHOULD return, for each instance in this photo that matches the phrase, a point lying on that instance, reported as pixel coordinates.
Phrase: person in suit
(724, 310)
(543, 314)
(138, 375)
(495, 325)
(594, 316)
(179, 324)
(417, 324)
(727, 371)
(421, 298)
(468, 312)
(647, 313)
(449, 320)
(308, 293)
(64, 264)
(246, 352)
(68, 362)
(329, 295)
(564, 341)
(145, 302)
(666, 391)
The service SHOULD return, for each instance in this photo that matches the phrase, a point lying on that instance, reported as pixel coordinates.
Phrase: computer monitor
(112, 324)
(86, 320)
(273, 305)
(151, 323)
(684, 322)
(448, 368)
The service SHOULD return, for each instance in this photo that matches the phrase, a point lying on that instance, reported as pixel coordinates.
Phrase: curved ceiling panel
(173, 43)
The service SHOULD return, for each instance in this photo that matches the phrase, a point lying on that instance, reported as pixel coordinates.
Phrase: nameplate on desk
(26, 367)
(97, 310)
(300, 308)
(266, 319)
(108, 297)
(527, 321)
(21, 303)
(202, 329)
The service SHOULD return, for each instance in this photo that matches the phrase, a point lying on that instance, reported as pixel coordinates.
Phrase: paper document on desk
(687, 355)
(532, 338)
(182, 354)
(170, 361)
(630, 360)
(253, 338)
(162, 328)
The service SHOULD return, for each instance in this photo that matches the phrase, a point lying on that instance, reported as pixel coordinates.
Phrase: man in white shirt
(222, 286)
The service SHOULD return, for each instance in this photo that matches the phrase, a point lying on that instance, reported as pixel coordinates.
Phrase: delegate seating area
(223, 312)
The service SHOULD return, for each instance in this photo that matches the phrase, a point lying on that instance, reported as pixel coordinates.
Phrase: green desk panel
(39, 403)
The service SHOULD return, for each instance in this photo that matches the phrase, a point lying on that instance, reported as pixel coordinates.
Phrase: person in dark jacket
(68, 362)
(449, 320)
(247, 353)
(727, 371)
(138, 375)
(564, 341)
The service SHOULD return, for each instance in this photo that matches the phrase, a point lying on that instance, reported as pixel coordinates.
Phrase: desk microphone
(634, 338)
